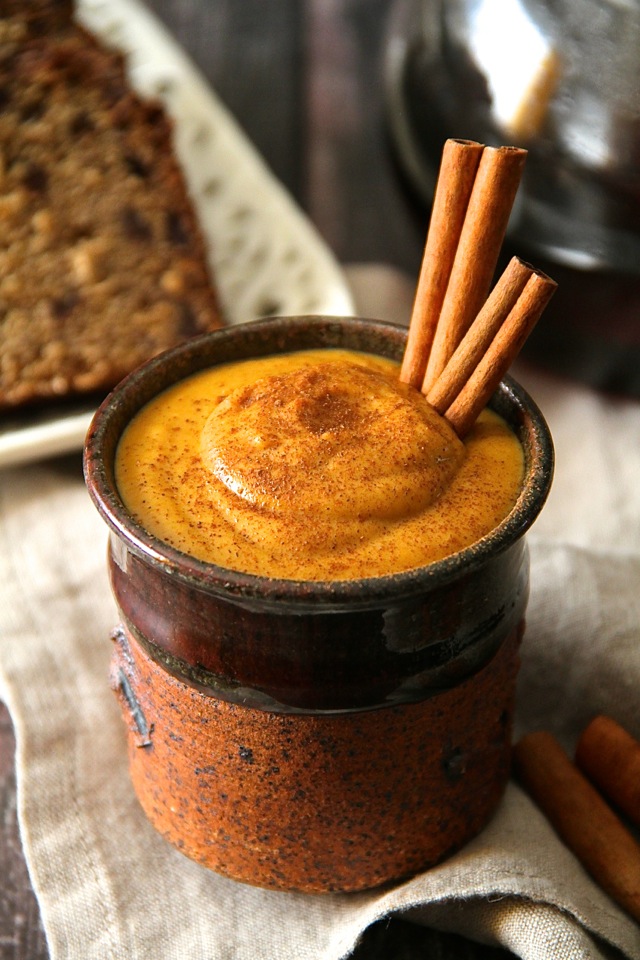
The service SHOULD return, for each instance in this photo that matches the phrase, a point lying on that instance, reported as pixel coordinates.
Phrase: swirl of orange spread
(340, 437)
(317, 465)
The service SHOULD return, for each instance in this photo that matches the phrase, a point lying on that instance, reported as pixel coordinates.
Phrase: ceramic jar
(319, 736)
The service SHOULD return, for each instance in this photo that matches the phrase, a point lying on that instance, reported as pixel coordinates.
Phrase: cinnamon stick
(480, 334)
(503, 349)
(610, 758)
(581, 818)
(456, 176)
(497, 180)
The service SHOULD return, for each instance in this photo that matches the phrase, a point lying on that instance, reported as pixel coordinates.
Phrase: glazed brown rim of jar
(279, 334)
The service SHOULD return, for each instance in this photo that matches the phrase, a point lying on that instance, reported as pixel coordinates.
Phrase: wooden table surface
(304, 79)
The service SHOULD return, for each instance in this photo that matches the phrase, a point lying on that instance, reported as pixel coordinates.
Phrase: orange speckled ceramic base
(327, 802)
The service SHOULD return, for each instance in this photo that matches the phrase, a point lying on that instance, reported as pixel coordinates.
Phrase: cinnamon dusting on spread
(316, 436)
(314, 465)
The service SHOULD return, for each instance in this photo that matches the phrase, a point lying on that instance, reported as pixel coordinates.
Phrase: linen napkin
(110, 887)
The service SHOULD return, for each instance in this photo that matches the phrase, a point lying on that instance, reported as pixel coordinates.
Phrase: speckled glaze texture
(318, 736)
(316, 802)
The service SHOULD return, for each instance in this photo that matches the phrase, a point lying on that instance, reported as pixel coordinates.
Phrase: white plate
(265, 254)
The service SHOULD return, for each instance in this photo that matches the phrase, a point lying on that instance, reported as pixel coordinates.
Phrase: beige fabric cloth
(109, 887)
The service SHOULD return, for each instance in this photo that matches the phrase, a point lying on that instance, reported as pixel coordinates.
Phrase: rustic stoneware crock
(318, 736)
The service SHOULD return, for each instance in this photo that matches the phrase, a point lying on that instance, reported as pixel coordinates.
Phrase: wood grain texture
(305, 82)
(353, 192)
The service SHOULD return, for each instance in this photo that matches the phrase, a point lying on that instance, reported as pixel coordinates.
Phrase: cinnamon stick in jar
(580, 816)
(610, 758)
(485, 224)
(502, 351)
(480, 334)
(460, 159)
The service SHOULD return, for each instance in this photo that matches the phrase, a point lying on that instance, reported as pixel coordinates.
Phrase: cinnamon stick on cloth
(610, 757)
(581, 817)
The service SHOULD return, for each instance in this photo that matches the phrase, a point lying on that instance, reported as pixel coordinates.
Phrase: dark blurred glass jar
(561, 78)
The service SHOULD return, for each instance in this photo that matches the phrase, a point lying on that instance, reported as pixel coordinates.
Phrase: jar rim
(276, 335)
